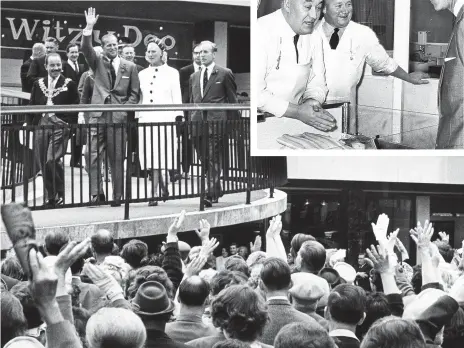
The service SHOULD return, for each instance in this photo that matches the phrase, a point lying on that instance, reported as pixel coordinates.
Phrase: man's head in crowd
(224, 253)
(128, 53)
(208, 52)
(297, 241)
(14, 322)
(230, 308)
(115, 327)
(102, 244)
(275, 277)
(224, 279)
(243, 252)
(394, 332)
(51, 45)
(38, 50)
(236, 263)
(303, 335)
(377, 307)
(311, 257)
(445, 250)
(346, 306)
(150, 273)
(110, 46)
(196, 54)
(193, 292)
(12, 268)
(231, 344)
(53, 65)
(55, 240)
(134, 252)
(233, 249)
(72, 51)
(338, 13)
(361, 259)
(302, 15)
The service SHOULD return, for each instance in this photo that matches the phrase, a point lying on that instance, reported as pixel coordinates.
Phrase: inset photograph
(342, 74)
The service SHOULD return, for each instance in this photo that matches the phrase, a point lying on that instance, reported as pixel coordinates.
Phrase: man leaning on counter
(451, 88)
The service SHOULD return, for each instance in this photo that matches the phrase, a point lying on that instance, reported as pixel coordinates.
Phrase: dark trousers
(76, 149)
(50, 145)
(109, 137)
(134, 134)
(213, 160)
(185, 150)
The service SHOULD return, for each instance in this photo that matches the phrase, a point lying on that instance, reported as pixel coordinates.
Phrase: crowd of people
(114, 78)
(91, 294)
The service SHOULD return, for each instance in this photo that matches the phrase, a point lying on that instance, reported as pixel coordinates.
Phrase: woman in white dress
(159, 84)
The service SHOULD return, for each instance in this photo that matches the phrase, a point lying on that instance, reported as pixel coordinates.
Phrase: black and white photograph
(158, 187)
(358, 74)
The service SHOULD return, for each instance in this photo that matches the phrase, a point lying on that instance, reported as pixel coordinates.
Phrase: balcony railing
(216, 150)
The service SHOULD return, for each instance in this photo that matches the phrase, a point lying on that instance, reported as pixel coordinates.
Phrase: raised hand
(443, 236)
(381, 262)
(209, 247)
(196, 265)
(175, 227)
(44, 280)
(90, 17)
(391, 241)
(381, 227)
(203, 233)
(257, 244)
(275, 226)
(422, 236)
(70, 254)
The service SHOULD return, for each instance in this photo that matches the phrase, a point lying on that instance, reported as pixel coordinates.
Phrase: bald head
(102, 242)
(193, 291)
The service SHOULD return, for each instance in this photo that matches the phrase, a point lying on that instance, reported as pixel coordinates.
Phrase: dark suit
(50, 144)
(76, 148)
(220, 88)
(25, 85)
(187, 146)
(124, 90)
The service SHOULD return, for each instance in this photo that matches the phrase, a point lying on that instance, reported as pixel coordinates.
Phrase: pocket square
(450, 58)
(218, 82)
(125, 77)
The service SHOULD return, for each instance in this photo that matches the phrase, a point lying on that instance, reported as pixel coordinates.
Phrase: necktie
(76, 68)
(334, 40)
(205, 80)
(295, 42)
(113, 73)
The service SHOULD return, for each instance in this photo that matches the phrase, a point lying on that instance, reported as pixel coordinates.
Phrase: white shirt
(277, 298)
(73, 65)
(276, 49)
(196, 67)
(342, 332)
(210, 71)
(457, 7)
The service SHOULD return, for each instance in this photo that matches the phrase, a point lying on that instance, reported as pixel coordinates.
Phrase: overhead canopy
(224, 2)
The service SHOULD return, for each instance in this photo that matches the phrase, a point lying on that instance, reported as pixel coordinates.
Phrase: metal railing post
(204, 130)
(129, 160)
(248, 165)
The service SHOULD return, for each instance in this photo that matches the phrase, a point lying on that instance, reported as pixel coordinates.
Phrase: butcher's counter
(358, 127)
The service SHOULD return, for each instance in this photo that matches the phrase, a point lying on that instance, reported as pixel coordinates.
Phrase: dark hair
(147, 273)
(115, 250)
(23, 294)
(71, 45)
(240, 311)
(133, 252)
(377, 307)
(446, 251)
(157, 42)
(14, 322)
(12, 268)
(347, 303)
(454, 330)
(376, 279)
(106, 37)
(297, 241)
(223, 279)
(48, 56)
(55, 239)
(102, 242)
(231, 344)
(233, 244)
(313, 255)
(394, 332)
(276, 274)
(193, 291)
(303, 335)
(416, 280)
(237, 264)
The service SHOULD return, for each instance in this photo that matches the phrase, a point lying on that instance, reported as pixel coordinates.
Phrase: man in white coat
(290, 73)
(348, 46)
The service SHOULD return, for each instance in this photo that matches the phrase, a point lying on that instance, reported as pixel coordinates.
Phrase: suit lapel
(211, 81)
(119, 73)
